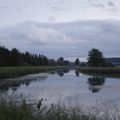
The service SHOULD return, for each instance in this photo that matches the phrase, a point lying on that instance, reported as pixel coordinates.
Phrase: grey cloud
(54, 8)
(64, 39)
(3, 7)
(97, 5)
(111, 4)
(33, 35)
(52, 18)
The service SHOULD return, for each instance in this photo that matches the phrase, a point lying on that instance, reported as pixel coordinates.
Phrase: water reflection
(5, 85)
(96, 83)
(77, 73)
(14, 84)
(61, 72)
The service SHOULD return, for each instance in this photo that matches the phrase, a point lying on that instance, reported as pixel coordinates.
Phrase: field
(105, 71)
(10, 72)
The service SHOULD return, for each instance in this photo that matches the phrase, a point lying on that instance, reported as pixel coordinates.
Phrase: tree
(52, 62)
(66, 62)
(77, 62)
(15, 57)
(95, 58)
(60, 61)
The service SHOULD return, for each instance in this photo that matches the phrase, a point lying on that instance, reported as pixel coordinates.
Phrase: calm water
(64, 86)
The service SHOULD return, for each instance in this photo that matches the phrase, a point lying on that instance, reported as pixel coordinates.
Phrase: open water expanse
(68, 86)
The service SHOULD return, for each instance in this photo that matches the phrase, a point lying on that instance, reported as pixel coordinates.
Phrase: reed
(12, 110)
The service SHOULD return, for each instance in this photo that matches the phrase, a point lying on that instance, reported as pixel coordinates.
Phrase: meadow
(104, 71)
(11, 72)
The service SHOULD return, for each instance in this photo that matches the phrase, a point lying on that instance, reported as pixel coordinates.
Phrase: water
(64, 86)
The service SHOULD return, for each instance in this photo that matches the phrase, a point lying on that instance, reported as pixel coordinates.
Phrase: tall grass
(10, 109)
(106, 71)
(10, 72)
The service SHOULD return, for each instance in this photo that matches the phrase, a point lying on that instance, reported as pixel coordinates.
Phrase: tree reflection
(15, 84)
(77, 73)
(96, 83)
(61, 72)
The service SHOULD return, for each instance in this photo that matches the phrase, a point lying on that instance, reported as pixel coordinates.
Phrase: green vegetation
(15, 58)
(12, 62)
(62, 62)
(95, 58)
(10, 72)
(98, 65)
(10, 109)
(77, 62)
(106, 71)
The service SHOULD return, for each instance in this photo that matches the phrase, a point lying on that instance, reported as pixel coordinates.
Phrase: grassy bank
(10, 72)
(12, 110)
(106, 71)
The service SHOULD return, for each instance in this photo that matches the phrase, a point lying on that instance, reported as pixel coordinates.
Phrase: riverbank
(11, 109)
(11, 72)
(105, 71)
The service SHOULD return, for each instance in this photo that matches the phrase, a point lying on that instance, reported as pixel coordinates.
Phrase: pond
(67, 86)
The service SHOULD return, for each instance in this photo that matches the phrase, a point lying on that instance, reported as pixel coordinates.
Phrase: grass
(10, 72)
(12, 110)
(105, 71)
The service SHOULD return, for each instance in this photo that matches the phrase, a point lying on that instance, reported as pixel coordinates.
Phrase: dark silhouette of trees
(4, 56)
(77, 62)
(60, 61)
(66, 62)
(95, 58)
(52, 62)
(15, 58)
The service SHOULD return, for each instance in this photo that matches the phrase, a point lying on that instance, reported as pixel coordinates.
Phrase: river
(68, 86)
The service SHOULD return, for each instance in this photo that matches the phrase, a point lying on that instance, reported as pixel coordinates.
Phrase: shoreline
(12, 72)
(104, 71)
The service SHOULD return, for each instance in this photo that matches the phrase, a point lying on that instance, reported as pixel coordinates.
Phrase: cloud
(54, 8)
(97, 5)
(31, 35)
(52, 18)
(48, 36)
(3, 7)
(64, 39)
(111, 4)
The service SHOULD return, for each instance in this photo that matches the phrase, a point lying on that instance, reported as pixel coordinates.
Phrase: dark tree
(16, 58)
(4, 56)
(60, 61)
(52, 62)
(77, 62)
(95, 58)
(66, 62)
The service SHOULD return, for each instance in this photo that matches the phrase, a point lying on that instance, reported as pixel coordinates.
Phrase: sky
(68, 28)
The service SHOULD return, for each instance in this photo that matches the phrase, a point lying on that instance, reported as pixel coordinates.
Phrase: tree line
(95, 59)
(15, 58)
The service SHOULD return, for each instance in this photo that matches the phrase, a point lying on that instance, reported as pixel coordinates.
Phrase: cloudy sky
(67, 28)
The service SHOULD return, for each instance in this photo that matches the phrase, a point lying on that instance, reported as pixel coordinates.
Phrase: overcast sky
(67, 28)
